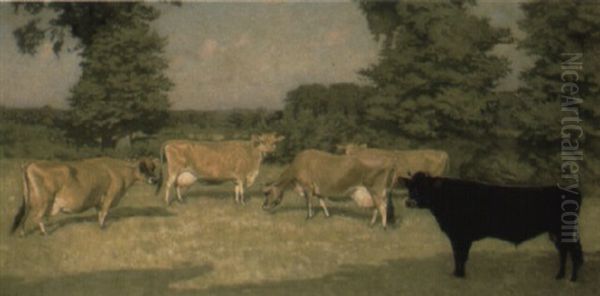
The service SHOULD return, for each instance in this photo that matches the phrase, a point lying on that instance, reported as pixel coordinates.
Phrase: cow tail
(390, 211)
(21, 213)
(159, 182)
(447, 166)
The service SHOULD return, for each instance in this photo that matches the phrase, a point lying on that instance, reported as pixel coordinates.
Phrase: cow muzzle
(270, 205)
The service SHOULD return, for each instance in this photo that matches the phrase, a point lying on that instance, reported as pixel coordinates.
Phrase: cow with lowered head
(321, 174)
(468, 211)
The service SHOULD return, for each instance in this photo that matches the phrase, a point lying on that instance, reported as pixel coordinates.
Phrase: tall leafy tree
(321, 116)
(435, 69)
(123, 88)
(556, 32)
(562, 36)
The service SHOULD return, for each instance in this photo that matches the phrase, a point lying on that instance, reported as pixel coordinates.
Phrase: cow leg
(169, 183)
(38, 218)
(179, 195)
(42, 228)
(324, 206)
(383, 211)
(102, 217)
(103, 211)
(242, 199)
(374, 218)
(309, 211)
(576, 259)
(237, 193)
(382, 207)
(460, 248)
(562, 252)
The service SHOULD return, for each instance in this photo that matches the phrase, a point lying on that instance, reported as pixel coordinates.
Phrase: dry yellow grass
(209, 245)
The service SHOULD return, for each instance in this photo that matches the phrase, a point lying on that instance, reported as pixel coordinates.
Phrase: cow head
(420, 187)
(148, 169)
(273, 196)
(266, 143)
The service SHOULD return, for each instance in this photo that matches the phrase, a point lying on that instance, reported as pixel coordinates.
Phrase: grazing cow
(214, 162)
(468, 211)
(321, 174)
(51, 187)
(433, 162)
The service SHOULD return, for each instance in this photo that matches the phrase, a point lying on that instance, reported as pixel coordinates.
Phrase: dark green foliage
(319, 116)
(435, 72)
(556, 31)
(123, 88)
(81, 20)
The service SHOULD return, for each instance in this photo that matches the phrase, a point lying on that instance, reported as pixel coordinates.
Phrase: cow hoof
(573, 279)
(560, 276)
(460, 275)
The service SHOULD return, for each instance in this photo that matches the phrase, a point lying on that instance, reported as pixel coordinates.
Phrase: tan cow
(321, 174)
(432, 162)
(51, 187)
(214, 162)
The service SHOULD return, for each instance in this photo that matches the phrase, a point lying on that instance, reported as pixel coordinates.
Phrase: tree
(435, 70)
(578, 32)
(320, 116)
(123, 87)
(558, 34)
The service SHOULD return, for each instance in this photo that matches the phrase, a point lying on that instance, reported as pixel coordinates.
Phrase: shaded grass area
(211, 246)
(519, 274)
(102, 283)
(509, 275)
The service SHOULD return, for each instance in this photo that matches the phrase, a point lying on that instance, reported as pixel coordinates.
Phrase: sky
(234, 55)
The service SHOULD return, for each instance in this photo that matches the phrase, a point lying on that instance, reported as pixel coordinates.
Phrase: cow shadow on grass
(116, 214)
(336, 211)
(521, 273)
(102, 283)
(221, 194)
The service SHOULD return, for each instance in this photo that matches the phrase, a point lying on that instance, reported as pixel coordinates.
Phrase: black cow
(468, 211)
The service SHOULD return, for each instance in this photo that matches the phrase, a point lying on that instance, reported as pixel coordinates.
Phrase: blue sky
(228, 55)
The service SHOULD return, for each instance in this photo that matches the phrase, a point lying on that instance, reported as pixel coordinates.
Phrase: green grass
(210, 245)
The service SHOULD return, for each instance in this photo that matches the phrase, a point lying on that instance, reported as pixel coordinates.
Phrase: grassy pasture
(211, 246)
